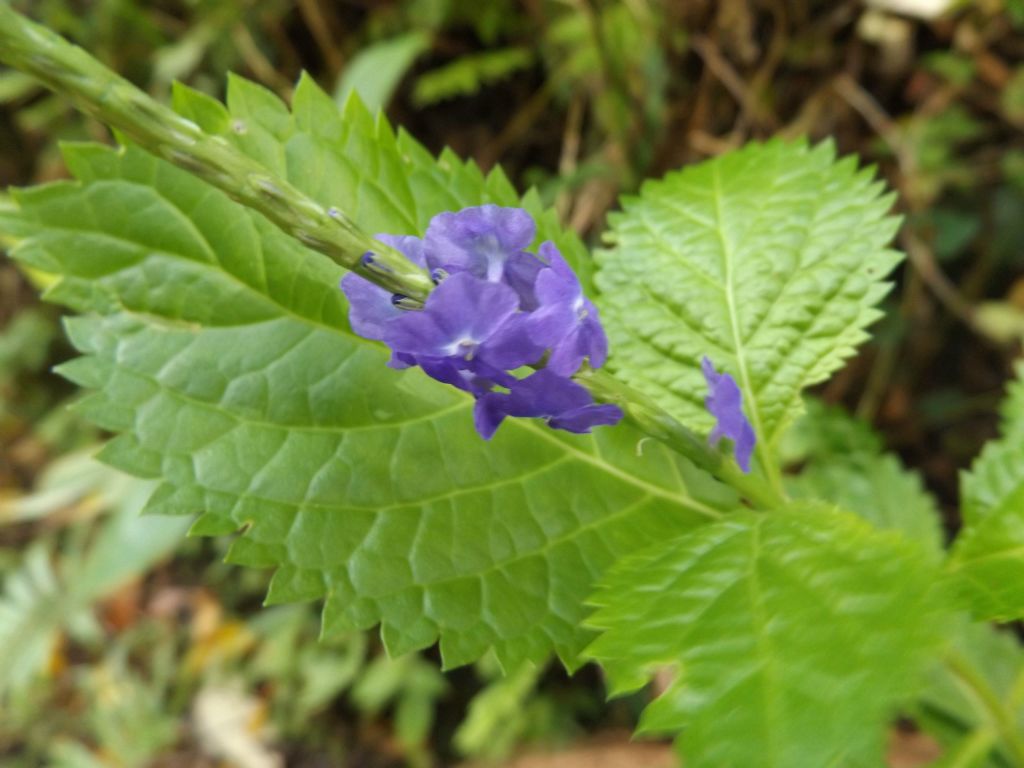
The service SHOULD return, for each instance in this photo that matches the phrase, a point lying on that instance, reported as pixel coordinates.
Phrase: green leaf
(375, 72)
(219, 351)
(792, 636)
(987, 561)
(768, 260)
(843, 462)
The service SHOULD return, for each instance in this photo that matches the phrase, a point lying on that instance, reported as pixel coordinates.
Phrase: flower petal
(565, 404)
(725, 403)
(462, 308)
(370, 306)
(581, 420)
(479, 240)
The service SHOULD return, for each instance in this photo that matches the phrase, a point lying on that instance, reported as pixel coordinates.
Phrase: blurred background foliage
(124, 643)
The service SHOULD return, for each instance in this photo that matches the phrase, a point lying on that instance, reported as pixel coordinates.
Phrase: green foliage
(615, 54)
(126, 712)
(768, 260)
(42, 598)
(307, 675)
(219, 350)
(1012, 97)
(30, 612)
(792, 636)
(987, 561)
(934, 144)
(24, 348)
(413, 685)
(500, 713)
(843, 462)
(468, 74)
(954, 714)
(516, 708)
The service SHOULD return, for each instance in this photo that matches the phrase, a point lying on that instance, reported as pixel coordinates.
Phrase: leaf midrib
(730, 300)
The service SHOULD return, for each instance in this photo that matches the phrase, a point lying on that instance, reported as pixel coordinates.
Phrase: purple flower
(564, 403)
(372, 308)
(467, 319)
(496, 308)
(725, 403)
(487, 241)
(565, 320)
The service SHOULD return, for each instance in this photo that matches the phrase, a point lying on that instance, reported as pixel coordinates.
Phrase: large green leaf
(220, 353)
(768, 260)
(792, 636)
(987, 562)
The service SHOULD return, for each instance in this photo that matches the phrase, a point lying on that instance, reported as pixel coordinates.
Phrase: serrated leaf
(221, 355)
(842, 461)
(792, 636)
(987, 561)
(768, 260)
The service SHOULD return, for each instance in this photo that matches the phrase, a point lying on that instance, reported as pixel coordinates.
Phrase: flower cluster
(496, 308)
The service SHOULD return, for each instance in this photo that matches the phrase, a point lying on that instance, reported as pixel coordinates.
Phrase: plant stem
(71, 72)
(1002, 717)
(652, 419)
(972, 749)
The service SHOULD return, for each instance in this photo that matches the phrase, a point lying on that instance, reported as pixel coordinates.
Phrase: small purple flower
(566, 320)
(725, 403)
(564, 403)
(464, 318)
(372, 308)
(489, 242)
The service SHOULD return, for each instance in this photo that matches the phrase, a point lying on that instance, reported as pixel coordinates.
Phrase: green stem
(653, 420)
(71, 72)
(972, 749)
(1002, 718)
